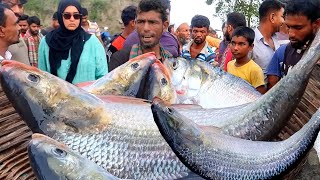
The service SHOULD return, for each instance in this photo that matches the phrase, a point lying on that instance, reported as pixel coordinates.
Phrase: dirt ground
(311, 169)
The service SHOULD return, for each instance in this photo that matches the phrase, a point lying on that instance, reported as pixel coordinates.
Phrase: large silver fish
(119, 136)
(263, 118)
(214, 155)
(198, 82)
(124, 80)
(52, 160)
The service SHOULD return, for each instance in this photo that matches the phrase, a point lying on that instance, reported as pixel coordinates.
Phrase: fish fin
(119, 99)
(145, 55)
(85, 84)
(12, 63)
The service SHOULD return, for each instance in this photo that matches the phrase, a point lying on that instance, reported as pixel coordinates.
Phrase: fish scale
(213, 155)
(148, 156)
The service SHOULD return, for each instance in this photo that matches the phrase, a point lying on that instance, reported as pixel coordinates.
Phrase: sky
(184, 10)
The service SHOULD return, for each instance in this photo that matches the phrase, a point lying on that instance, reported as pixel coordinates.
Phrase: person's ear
(2, 33)
(272, 17)
(229, 29)
(317, 24)
(165, 25)
(251, 46)
(132, 23)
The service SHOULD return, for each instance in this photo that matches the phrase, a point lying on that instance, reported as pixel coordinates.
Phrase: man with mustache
(151, 22)
(18, 50)
(199, 48)
(303, 20)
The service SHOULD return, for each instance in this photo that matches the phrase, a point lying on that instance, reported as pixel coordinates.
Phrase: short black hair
(200, 21)
(268, 6)
(166, 4)
(34, 19)
(84, 11)
(3, 17)
(55, 16)
(170, 27)
(23, 17)
(223, 25)
(128, 14)
(23, 2)
(308, 8)
(153, 5)
(245, 32)
(236, 19)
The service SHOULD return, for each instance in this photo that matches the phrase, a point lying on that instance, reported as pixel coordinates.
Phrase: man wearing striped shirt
(198, 48)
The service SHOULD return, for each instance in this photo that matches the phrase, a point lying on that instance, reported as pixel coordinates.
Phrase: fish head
(48, 157)
(177, 130)
(43, 100)
(51, 159)
(177, 68)
(125, 80)
(159, 84)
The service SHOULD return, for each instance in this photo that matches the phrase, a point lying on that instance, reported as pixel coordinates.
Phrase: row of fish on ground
(223, 135)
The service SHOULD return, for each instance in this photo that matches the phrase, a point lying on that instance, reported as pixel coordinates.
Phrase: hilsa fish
(52, 160)
(198, 82)
(120, 136)
(159, 84)
(125, 80)
(214, 155)
(266, 116)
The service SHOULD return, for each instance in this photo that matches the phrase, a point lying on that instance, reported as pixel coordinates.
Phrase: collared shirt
(262, 52)
(33, 46)
(7, 55)
(136, 51)
(206, 54)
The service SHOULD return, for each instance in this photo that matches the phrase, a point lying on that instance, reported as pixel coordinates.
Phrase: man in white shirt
(18, 50)
(266, 42)
(9, 33)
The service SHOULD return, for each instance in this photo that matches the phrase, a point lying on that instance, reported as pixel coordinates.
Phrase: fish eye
(164, 81)
(33, 78)
(134, 66)
(59, 152)
(170, 110)
(175, 65)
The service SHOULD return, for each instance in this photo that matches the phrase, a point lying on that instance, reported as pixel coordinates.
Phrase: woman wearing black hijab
(69, 52)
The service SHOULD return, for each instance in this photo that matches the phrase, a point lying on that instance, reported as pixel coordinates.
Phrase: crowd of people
(72, 47)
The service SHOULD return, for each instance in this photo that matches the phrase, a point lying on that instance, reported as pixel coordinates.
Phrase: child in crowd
(243, 67)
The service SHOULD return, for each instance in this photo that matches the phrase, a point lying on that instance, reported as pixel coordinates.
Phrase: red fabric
(228, 59)
(118, 42)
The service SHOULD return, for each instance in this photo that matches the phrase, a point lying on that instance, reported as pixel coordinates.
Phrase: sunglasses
(68, 16)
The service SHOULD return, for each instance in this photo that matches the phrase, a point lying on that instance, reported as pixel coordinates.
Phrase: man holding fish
(151, 22)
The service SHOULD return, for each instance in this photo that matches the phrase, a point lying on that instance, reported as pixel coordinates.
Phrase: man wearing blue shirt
(199, 48)
(303, 21)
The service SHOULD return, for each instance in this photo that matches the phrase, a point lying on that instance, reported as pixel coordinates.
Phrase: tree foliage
(247, 7)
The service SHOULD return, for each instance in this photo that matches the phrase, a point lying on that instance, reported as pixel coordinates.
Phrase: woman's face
(71, 18)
